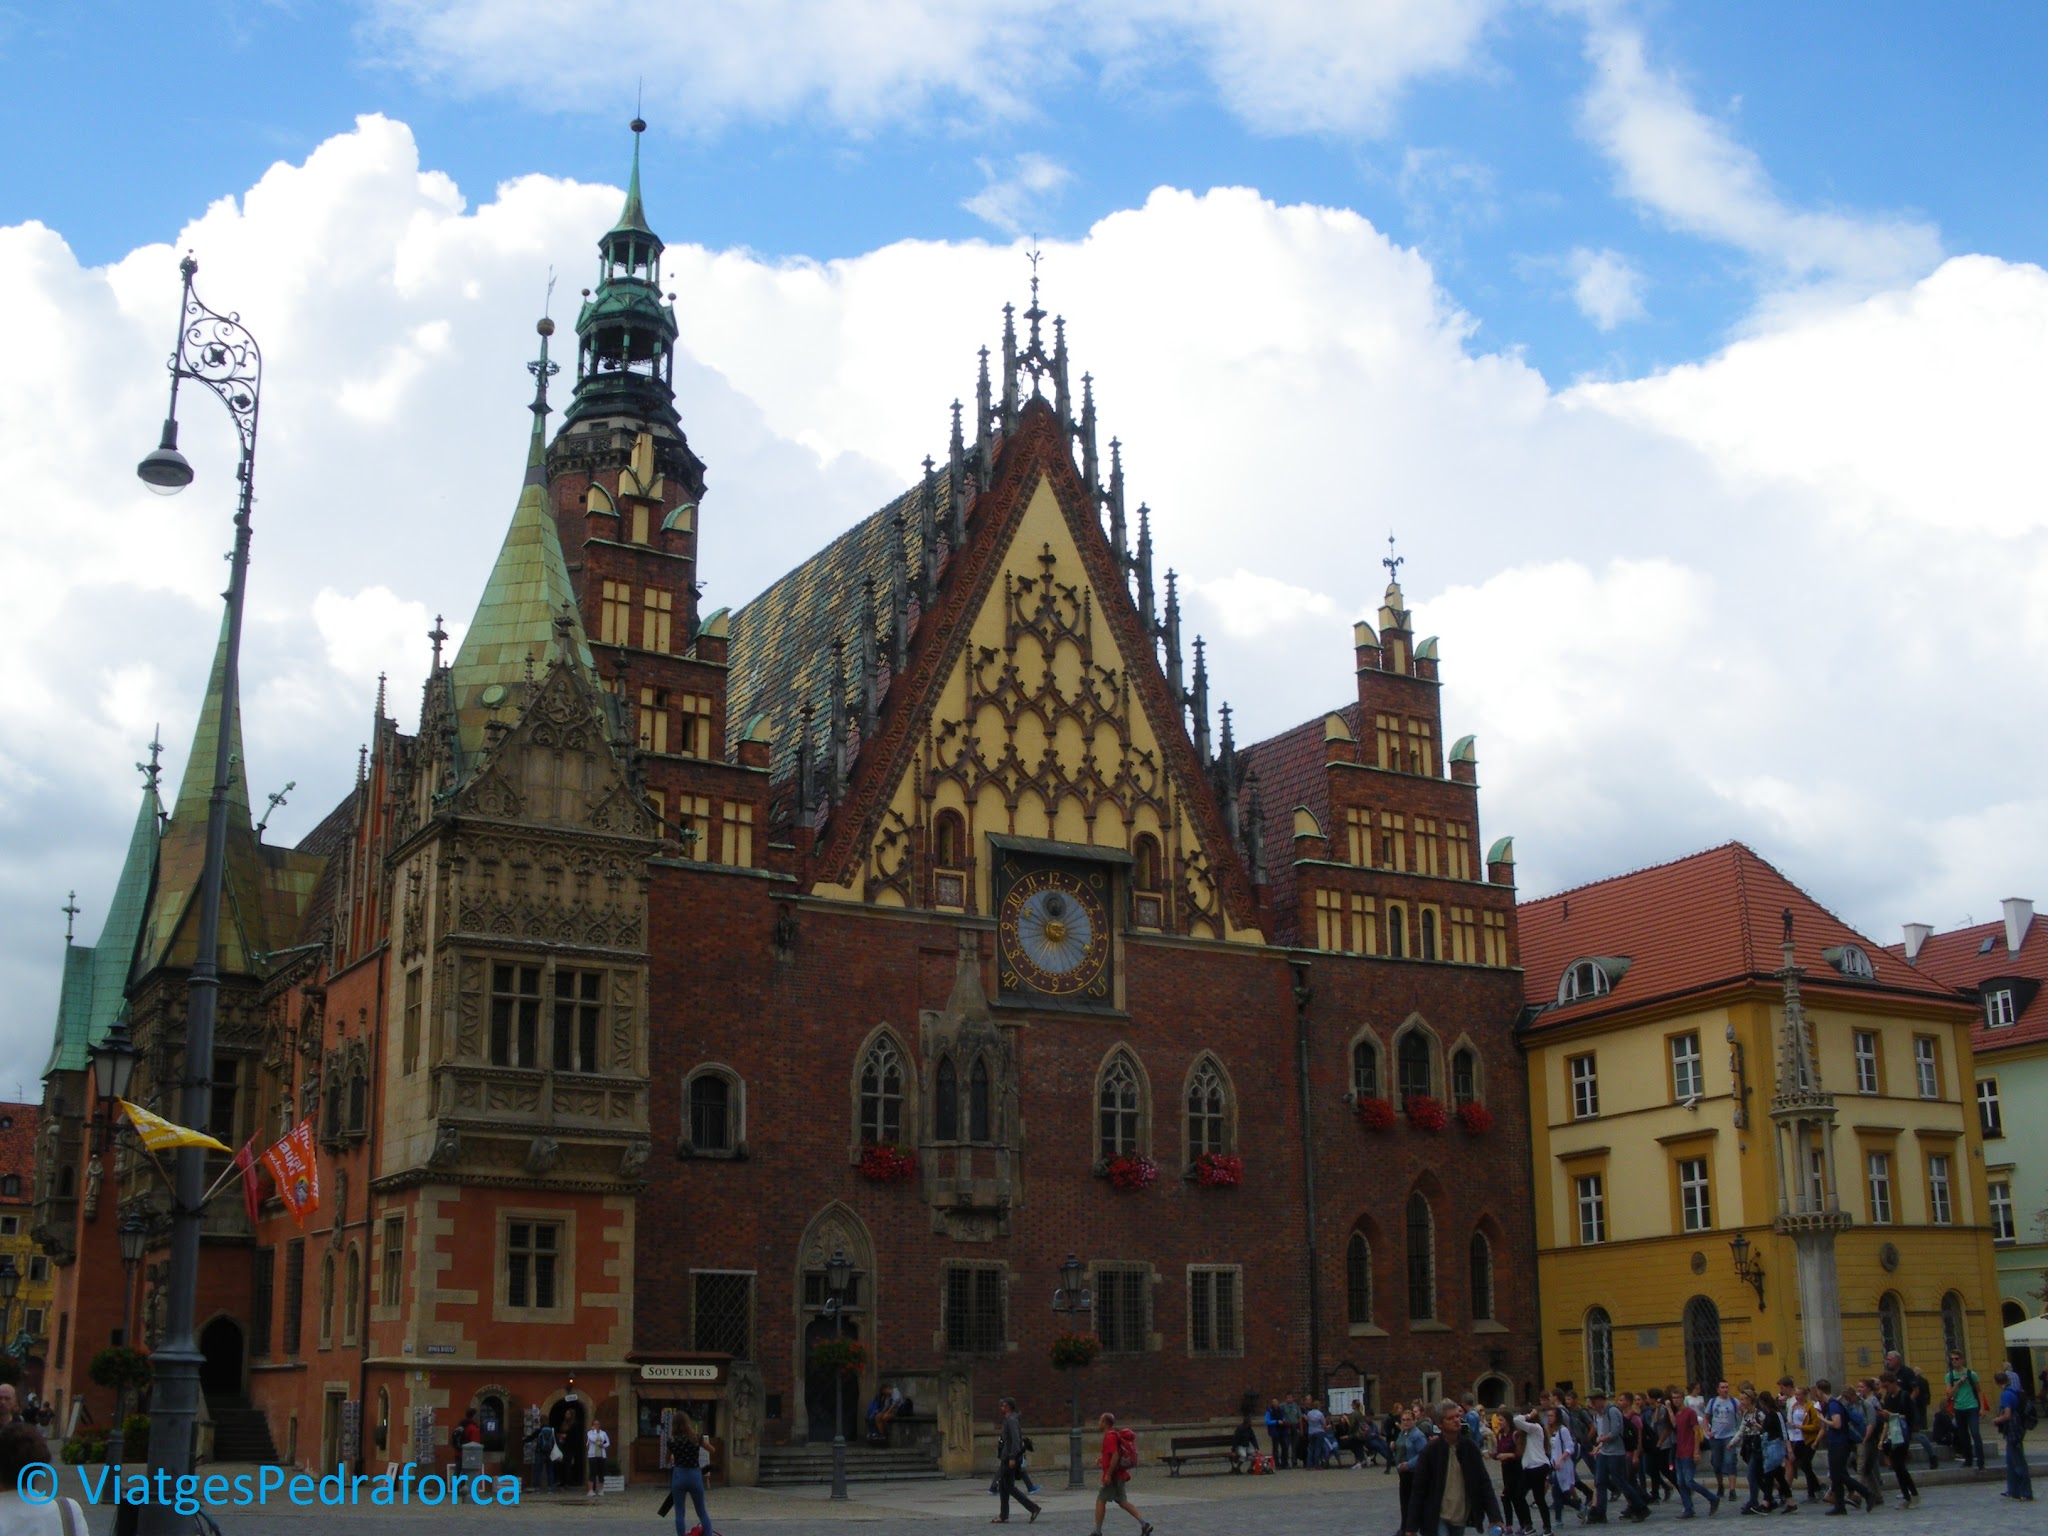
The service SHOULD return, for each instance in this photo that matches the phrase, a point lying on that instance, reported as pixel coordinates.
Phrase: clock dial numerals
(1054, 933)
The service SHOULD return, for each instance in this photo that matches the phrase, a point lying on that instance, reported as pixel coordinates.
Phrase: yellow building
(26, 1318)
(1756, 1151)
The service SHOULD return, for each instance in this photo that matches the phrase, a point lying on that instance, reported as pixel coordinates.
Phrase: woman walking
(1777, 1451)
(1525, 1469)
(691, 1449)
(1898, 1440)
(1564, 1463)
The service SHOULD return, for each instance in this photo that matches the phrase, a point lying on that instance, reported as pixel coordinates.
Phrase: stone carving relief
(542, 1155)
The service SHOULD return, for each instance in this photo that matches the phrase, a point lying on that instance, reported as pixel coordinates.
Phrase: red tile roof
(18, 1146)
(1696, 923)
(1291, 772)
(1968, 957)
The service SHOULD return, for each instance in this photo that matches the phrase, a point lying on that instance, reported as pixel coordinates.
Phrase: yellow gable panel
(1037, 732)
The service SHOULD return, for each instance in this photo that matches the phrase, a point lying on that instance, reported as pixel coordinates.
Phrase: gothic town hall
(921, 911)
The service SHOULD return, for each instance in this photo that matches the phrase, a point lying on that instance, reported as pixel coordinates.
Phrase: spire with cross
(70, 909)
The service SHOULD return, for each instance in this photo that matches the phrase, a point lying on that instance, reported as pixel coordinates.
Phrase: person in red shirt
(1113, 1479)
(1685, 1446)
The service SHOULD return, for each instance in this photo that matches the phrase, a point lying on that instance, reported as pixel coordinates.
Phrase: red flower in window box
(1476, 1118)
(887, 1163)
(1376, 1114)
(1130, 1171)
(1425, 1113)
(1219, 1170)
(1075, 1351)
(849, 1357)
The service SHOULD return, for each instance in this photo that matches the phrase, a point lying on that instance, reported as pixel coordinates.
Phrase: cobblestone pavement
(1296, 1504)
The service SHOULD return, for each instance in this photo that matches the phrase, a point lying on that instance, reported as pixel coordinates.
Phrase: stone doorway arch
(836, 1227)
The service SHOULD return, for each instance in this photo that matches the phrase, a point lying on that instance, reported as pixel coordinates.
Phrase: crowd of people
(1774, 1449)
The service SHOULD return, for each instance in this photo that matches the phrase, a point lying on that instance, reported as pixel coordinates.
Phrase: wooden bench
(1185, 1448)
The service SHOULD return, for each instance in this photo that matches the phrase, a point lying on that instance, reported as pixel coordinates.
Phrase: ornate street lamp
(1749, 1271)
(218, 351)
(838, 1275)
(134, 1240)
(1073, 1300)
(113, 1068)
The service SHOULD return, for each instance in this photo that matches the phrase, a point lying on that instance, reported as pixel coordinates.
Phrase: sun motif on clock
(1053, 934)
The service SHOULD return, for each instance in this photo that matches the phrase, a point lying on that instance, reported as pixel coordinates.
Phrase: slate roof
(96, 978)
(1292, 772)
(1961, 959)
(329, 841)
(1699, 922)
(780, 652)
(514, 623)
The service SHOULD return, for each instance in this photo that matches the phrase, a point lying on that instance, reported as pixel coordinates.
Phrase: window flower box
(1132, 1171)
(1219, 1170)
(1376, 1114)
(1426, 1113)
(849, 1357)
(1074, 1351)
(1476, 1118)
(887, 1163)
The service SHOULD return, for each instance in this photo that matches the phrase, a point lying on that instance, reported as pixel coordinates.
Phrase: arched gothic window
(979, 1120)
(1425, 928)
(1599, 1351)
(1145, 863)
(1119, 1103)
(326, 1300)
(713, 1123)
(1421, 1260)
(1358, 1279)
(1208, 1111)
(1464, 1076)
(1365, 1068)
(1411, 1061)
(1481, 1260)
(949, 840)
(881, 1093)
(351, 1295)
(1397, 931)
(946, 1101)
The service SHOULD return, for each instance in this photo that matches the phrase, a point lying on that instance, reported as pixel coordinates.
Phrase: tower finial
(70, 909)
(152, 771)
(440, 638)
(542, 370)
(1393, 562)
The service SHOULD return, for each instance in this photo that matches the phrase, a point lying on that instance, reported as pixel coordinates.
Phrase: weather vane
(1392, 561)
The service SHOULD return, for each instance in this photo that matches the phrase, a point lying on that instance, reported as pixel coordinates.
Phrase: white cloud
(1694, 174)
(1248, 604)
(1013, 201)
(1280, 65)
(1718, 601)
(1606, 286)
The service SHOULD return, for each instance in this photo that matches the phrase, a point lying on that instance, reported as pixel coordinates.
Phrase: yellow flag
(160, 1135)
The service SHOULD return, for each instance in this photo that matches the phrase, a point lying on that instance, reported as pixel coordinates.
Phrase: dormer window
(1582, 979)
(1851, 961)
(1998, 1008)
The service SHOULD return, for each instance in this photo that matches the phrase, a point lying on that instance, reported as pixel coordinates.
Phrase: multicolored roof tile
(1972, 957)
(1292, 772)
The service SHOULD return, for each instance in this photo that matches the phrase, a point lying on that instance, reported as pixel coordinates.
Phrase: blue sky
(1698, 354)
(1894, 108)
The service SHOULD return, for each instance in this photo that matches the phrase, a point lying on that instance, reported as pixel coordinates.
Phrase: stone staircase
(790, 1466)
(240, 1432)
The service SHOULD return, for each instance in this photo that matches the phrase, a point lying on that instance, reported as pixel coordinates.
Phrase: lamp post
(1073, 1300)
(838, 1274)
(1749, 1271)
(134, 1239)
(215, 350)
(113, 1068)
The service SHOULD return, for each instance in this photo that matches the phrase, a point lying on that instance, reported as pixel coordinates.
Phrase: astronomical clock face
(1053, 934)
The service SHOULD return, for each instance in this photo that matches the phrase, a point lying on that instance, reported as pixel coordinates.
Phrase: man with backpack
(1966, 1402)
(1119, 1456)
(1610, 1463)
(1842, 1419)
(2012, 1423)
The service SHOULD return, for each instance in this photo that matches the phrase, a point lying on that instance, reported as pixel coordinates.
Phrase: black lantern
(113, 1062)
(1070, 1274)
(838, 1273)
(134, 1241)
(1748, 1271)
(10, 1279)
